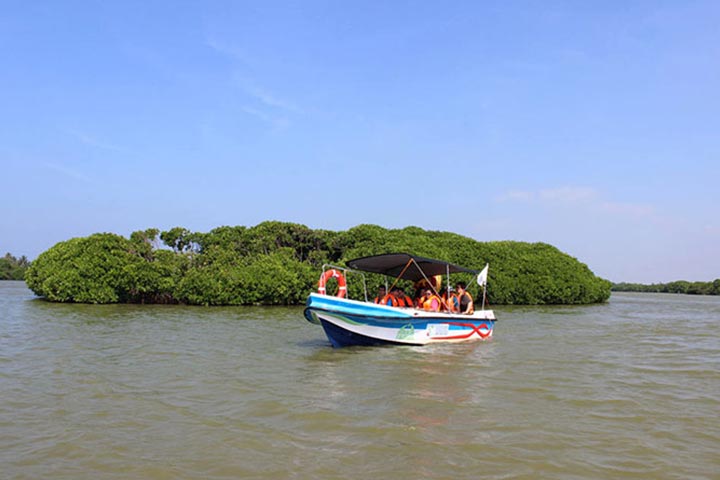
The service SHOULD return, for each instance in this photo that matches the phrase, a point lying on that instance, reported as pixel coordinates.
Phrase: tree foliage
(678, 286)
(279, 263)
(12, 268)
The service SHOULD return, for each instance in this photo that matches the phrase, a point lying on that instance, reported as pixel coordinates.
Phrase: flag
(482, 276)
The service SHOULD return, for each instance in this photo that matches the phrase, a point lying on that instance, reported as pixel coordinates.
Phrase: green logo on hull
(405, 332)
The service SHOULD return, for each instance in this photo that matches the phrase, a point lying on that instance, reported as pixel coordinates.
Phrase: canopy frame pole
(447, 291)
(397, 279)
(432, 287)
(447, 272)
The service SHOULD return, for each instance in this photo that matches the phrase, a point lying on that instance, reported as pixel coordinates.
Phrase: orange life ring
(342, 286)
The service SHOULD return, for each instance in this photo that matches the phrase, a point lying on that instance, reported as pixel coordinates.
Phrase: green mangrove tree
(279, 263)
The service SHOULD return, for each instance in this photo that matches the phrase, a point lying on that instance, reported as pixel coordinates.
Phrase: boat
(351, 322)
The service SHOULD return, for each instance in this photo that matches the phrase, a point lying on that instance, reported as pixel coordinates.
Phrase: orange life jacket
(451, 303)
(428, 303)
(405, 301)
(390, 300)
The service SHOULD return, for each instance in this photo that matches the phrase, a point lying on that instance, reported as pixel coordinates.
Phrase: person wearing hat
(465, 300)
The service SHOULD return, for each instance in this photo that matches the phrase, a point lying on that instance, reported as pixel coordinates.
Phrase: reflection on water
(623, 390)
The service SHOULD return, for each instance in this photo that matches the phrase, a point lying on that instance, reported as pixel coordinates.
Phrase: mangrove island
(279, 263)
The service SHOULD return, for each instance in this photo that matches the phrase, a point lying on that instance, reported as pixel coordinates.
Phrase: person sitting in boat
(391, 299)
(450, 300)
(402, 299)
(433, 283)
(465, 300)
(430, 302)
(382, 293)
(419, 294)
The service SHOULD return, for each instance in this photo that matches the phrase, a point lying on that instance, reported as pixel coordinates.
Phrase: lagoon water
(624, 390)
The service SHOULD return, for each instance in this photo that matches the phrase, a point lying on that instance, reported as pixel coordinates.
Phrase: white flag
(482, 276)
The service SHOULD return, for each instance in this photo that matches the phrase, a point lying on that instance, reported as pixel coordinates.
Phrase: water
(626, 390)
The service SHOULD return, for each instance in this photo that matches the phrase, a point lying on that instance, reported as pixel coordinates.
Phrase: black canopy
(392, 264)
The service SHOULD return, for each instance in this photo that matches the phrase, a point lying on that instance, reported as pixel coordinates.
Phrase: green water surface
(625, 390)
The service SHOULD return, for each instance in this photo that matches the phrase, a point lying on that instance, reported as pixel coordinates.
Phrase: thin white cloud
(556, 195)
(269, 108)
(271, 100)
(587, 197)
(69, 172)
(628, 209)
(225, 49)
(275, 121)
(264, 96)
(568, 194)
(515, 196)
(92, 141)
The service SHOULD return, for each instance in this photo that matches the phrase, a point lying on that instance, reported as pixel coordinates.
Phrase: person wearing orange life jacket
(434, 283)
(391, 299)
(430, 301)
(417, 302)
(402, 299)
(382, 293)
(465, 300)
(450, 301)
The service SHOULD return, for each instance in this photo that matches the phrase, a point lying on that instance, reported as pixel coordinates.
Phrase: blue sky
(592, 126)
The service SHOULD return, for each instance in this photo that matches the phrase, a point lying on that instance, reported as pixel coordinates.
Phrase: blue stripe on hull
(353, 307)
(339, 337)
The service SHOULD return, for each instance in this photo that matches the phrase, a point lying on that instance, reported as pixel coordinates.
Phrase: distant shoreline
(678, 286)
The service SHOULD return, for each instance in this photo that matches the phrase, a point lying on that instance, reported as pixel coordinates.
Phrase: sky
(592, 126)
